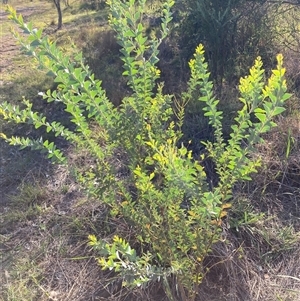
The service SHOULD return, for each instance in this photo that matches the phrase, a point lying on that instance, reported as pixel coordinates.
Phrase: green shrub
(233, 32)
(162, 191)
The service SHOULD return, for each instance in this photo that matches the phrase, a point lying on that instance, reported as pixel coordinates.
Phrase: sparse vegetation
(129, 162)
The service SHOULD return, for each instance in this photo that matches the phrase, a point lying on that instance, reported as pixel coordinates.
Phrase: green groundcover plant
(164, 193)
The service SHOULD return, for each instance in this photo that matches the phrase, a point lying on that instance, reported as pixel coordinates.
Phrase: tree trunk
(59, 13)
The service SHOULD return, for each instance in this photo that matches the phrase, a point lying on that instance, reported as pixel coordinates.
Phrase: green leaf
(278, 110)
(261, 117)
